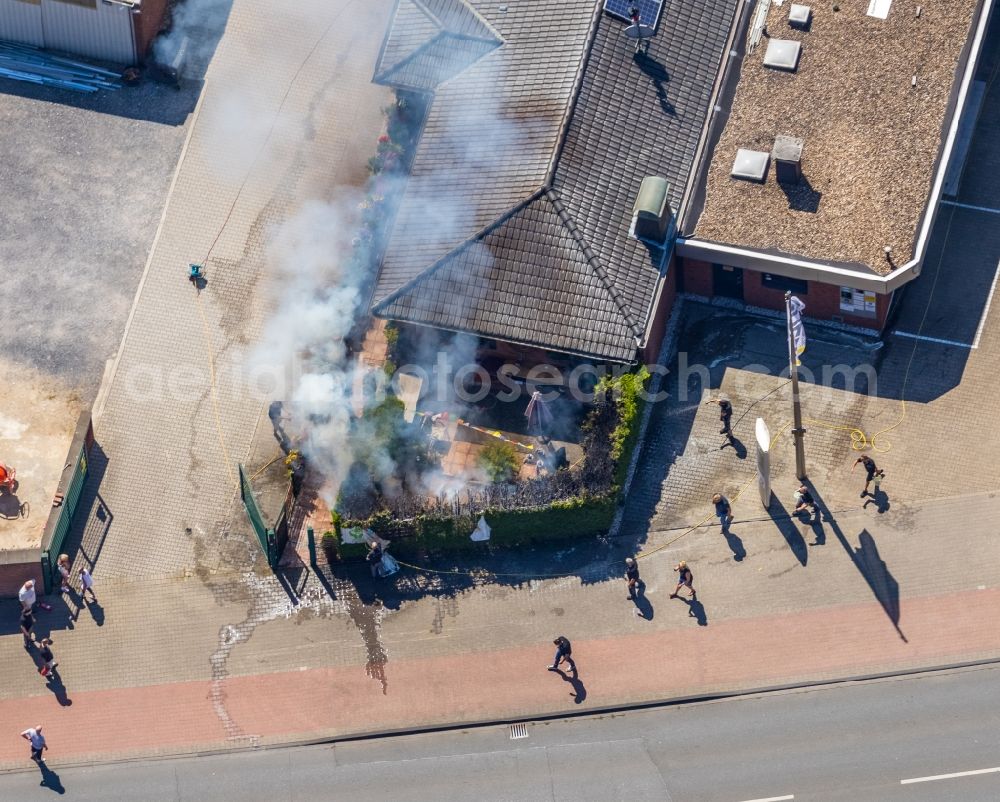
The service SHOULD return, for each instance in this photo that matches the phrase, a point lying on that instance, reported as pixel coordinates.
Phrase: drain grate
(518, 731)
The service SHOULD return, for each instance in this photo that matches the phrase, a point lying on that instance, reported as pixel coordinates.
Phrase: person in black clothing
(45, 650)
(632, 576)
(27, 622)
(685, 579)
(725, 415)
(375, 557)
(564, 651)
(870, 468)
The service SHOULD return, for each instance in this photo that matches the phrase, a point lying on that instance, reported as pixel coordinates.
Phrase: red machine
(7, 475)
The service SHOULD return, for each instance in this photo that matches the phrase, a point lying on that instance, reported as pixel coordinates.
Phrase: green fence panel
(253, 513)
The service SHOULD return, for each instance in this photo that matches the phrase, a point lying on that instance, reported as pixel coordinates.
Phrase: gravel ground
(871, 139)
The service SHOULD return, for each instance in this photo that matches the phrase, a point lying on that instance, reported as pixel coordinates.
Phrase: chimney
(787, 155)
(651, 213)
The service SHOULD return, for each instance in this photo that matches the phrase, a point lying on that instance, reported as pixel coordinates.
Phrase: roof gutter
(858, 277)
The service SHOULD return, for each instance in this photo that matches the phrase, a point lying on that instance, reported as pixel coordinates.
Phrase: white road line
(986, 310)
(949, 776)
(989, 209)
(932, 339)
(772, 798)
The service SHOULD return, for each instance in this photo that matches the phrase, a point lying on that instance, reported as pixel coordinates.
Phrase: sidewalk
(238, 669)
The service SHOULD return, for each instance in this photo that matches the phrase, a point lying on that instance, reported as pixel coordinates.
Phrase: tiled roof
(529, 274)
(519, 230)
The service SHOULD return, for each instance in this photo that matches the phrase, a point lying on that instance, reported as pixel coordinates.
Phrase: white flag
(798, 330)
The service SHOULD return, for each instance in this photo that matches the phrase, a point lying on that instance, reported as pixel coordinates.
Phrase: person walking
(725, 416)
(49, 661)
(37, 740)
(723, 511)
(632, 577)
(564, 652)
(870, 469)
(804, 500)
(27, 595)
(27, 623)
(63, 565)
(87, 585)
(685, 579)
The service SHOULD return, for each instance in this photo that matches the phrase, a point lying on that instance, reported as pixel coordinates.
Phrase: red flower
(383, 138)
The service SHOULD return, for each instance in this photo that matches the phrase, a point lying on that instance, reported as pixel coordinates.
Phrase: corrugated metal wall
(21, 21)
(93, 28)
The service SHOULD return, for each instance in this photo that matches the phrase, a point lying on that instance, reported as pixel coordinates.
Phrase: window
(774, 282)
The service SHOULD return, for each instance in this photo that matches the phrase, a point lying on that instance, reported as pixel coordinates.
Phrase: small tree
(500, 460)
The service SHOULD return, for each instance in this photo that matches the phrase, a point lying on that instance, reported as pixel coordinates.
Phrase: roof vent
(782, 54)
(799, 16)
(787, 154)
(751, 165)
(651, 213)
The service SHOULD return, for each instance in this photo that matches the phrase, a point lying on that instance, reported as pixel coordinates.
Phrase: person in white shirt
(38, 745)
(87, 585)
(26, 595)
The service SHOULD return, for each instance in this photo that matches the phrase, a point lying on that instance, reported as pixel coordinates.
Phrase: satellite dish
(639, 32)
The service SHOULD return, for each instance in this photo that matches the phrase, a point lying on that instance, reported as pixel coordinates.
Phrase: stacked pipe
(33, 65)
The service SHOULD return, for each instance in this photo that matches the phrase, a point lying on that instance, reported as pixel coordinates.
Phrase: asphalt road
(882, 740)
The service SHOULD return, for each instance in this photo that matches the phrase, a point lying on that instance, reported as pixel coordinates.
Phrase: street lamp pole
(798, 432)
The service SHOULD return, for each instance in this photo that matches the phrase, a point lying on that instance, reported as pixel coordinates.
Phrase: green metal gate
(265, 536)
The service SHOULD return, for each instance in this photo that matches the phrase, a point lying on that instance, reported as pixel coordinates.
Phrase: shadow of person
(50, 779)
(55, 684)
(96, 612)
(789, 531)
(572, 676)
(696, 610)
(643, 608)
(880, 500)
(735, 545)
(737, 445)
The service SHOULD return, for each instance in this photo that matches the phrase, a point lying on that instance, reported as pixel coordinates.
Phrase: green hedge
(562, 520)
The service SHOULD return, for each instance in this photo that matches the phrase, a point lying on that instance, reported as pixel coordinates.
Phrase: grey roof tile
(519, 229)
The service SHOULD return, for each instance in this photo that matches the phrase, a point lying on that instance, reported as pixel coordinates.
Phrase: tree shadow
(735, 545)
(658, 77)
(50, 779)
(789, 531)
(696, 610)
(801, 196)
(871, 566)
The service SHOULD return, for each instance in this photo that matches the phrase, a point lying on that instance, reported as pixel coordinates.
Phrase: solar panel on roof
(649, 10)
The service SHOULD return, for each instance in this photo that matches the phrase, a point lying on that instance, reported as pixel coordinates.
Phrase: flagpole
(798, 432)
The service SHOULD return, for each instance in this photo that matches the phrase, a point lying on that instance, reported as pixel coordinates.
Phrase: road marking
(949, 776)
(979, 328)
(937, 340)
(989, 209)
(986, 309)
(772, 798)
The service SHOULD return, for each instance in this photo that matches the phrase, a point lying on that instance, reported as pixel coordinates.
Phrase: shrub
(500, 460)
(624, 391)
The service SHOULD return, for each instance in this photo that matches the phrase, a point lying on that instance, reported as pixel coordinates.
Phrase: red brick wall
(147, 24)
(822, 300)
(15, 574)
(697, 277)
(661, 314)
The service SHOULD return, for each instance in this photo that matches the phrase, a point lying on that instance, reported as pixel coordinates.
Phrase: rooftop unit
(751, 165)
(651, 213)
(783, 54)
